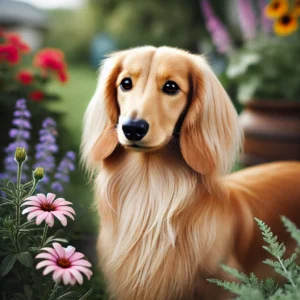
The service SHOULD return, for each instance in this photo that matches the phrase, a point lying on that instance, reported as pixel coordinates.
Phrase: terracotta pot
(272, 131)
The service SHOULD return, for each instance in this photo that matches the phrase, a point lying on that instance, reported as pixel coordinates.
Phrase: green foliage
(20, 241)
(267, 68)
(80, 24)
(151, 22)
(250, 287)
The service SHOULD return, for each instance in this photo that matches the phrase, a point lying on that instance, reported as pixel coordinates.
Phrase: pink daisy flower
(65, 263)
(45, 208)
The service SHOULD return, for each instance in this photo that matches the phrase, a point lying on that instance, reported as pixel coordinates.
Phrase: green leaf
(6, 190)
(292, 229)
(247, 89)
(69, 295)
(28, 291)
(25, 259)
(240, 63)
(7, 264)
(87, 293)
(54, 239)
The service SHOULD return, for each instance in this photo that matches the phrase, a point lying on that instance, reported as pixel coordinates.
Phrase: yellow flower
(286, 24)
(20, 155)
(276, 8)
(38, 173)
(297, 7)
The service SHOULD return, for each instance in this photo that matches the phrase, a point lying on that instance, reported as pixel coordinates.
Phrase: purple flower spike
(20, 133)
(62, 173)
(266, 24)
(219, 33)
(247, 19)
(45, 149)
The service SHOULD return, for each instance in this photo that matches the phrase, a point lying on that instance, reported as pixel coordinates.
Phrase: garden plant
(36, 242)
(263, 67)
(250, 287)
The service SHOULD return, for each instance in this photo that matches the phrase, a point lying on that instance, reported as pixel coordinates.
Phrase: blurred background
(253, 46)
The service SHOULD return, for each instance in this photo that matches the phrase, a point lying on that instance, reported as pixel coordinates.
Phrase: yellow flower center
(64, 263)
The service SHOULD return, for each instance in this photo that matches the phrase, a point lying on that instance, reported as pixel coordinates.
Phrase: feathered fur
(170, 216)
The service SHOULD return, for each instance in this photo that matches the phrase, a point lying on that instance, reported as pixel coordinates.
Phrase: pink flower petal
(60, 217)
(77, 275)
(49, 269)
(42, 197)
(45, 263)
(61, 202)
(76, 256)
(66, 276)
(33, 198)
(29, 209)
(51, 251)
(59, 249)
(34, 203)
(69, 252)
(50, 219)
(66, 208)
(87, 272)
(41, 217)
(57, 274)
(47, 256)
(81, 262)
(73, 280)
(33, 214)
(50, 197)
(66, 213)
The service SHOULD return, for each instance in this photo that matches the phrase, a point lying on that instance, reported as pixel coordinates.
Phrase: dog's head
(147, 95)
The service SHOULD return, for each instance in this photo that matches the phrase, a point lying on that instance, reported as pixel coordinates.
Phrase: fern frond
(275, 249)
(233, 287)
(235, 273)
(292, 229)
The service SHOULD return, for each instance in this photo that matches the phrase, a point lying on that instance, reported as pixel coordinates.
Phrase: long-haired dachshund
(159, 135)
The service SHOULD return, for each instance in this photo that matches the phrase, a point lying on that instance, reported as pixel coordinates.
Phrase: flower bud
(20, 155)
(38, 174)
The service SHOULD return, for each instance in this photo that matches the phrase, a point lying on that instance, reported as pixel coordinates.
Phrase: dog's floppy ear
(99, 135)
(210, 135)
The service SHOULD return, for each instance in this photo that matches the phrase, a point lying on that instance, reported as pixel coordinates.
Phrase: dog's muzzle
(135, 130)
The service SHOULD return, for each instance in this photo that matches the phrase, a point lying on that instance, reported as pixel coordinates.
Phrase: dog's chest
(141, 240)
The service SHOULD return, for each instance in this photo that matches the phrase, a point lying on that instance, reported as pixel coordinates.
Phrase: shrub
(250, 287)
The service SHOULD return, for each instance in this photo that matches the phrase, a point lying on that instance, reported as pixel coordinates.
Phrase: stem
(18, 204)
(287, 272)
(35, 183)
(54, 290)
(44, 235)
(18, 193)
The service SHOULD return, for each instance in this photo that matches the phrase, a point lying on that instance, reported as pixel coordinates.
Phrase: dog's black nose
(135, 130)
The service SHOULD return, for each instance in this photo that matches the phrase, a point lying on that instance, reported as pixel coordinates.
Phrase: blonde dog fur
(169, 213)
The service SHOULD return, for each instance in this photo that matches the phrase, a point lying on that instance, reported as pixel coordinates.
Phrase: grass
(75, 96)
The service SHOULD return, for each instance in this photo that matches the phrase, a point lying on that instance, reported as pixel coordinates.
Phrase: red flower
(9, 53)
(16, 40)
(62, 76)
(25, 77)
(52, 60)
(36, 96)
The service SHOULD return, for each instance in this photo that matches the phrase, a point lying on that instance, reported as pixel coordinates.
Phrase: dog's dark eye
(170, 88)
(126, 84)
